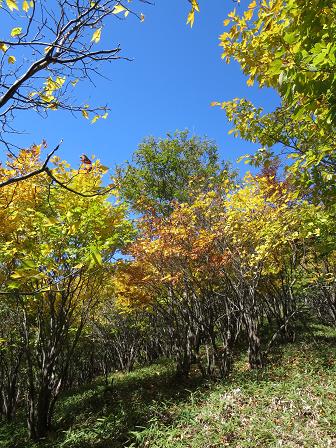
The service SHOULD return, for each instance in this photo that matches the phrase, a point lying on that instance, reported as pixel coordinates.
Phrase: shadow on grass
(101, 416)
(104, 416)
(154, 392)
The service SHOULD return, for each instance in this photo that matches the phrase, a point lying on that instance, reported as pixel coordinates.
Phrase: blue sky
(175, 73)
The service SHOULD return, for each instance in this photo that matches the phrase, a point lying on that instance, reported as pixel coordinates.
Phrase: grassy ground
(291, 403)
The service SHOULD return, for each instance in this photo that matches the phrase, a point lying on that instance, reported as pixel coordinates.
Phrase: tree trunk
(254, 343)
(39, 415)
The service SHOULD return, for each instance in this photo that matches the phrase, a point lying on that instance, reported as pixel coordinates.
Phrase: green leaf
(275, 67)
(290, 38)
(28, 264)
(95, 254)
(13, 285)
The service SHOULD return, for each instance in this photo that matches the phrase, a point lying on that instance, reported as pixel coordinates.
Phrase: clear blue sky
(175, 73)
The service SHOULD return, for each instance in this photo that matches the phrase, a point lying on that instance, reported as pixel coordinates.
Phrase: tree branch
(43, 169)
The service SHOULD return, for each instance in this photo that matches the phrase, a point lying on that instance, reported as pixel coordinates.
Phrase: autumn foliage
(177, 256)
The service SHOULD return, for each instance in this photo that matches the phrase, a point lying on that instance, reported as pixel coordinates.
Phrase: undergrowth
(289, 403)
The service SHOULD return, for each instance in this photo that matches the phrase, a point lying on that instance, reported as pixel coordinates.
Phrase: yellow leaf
(226, 22)
(232, 14)
(195, 5)
(25, 6)
(3, 47)
(60, 80)
(215, 103)
(142, 17)
(126, 13)
(95, 118)
(253, 4)
(250, 82)
(85, 114)
(73, 83)
(46, 98)
(11, 59)
(51, 221)
(31, 4)
(12, 4)
(191, 18)
(105, 115)
(96, 36)
(118, 8)
(16, 31)
(47, 49)
(248, 14)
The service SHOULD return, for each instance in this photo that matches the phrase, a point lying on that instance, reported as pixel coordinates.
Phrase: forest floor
(290, 403)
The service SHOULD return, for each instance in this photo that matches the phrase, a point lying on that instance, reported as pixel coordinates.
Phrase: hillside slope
(291, 403)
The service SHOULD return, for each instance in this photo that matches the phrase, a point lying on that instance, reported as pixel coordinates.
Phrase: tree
(59, 46)
(219, 265)
(289, 46)
(47, 50)
(56, 252)
(166, 170)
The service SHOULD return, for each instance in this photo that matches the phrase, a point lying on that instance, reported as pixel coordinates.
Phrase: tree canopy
(290, 47)
(166, 170)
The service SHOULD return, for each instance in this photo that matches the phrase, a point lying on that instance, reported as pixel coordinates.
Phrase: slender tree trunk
(254, 343)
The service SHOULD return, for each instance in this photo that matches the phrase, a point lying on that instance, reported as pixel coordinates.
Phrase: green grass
(290, 403)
